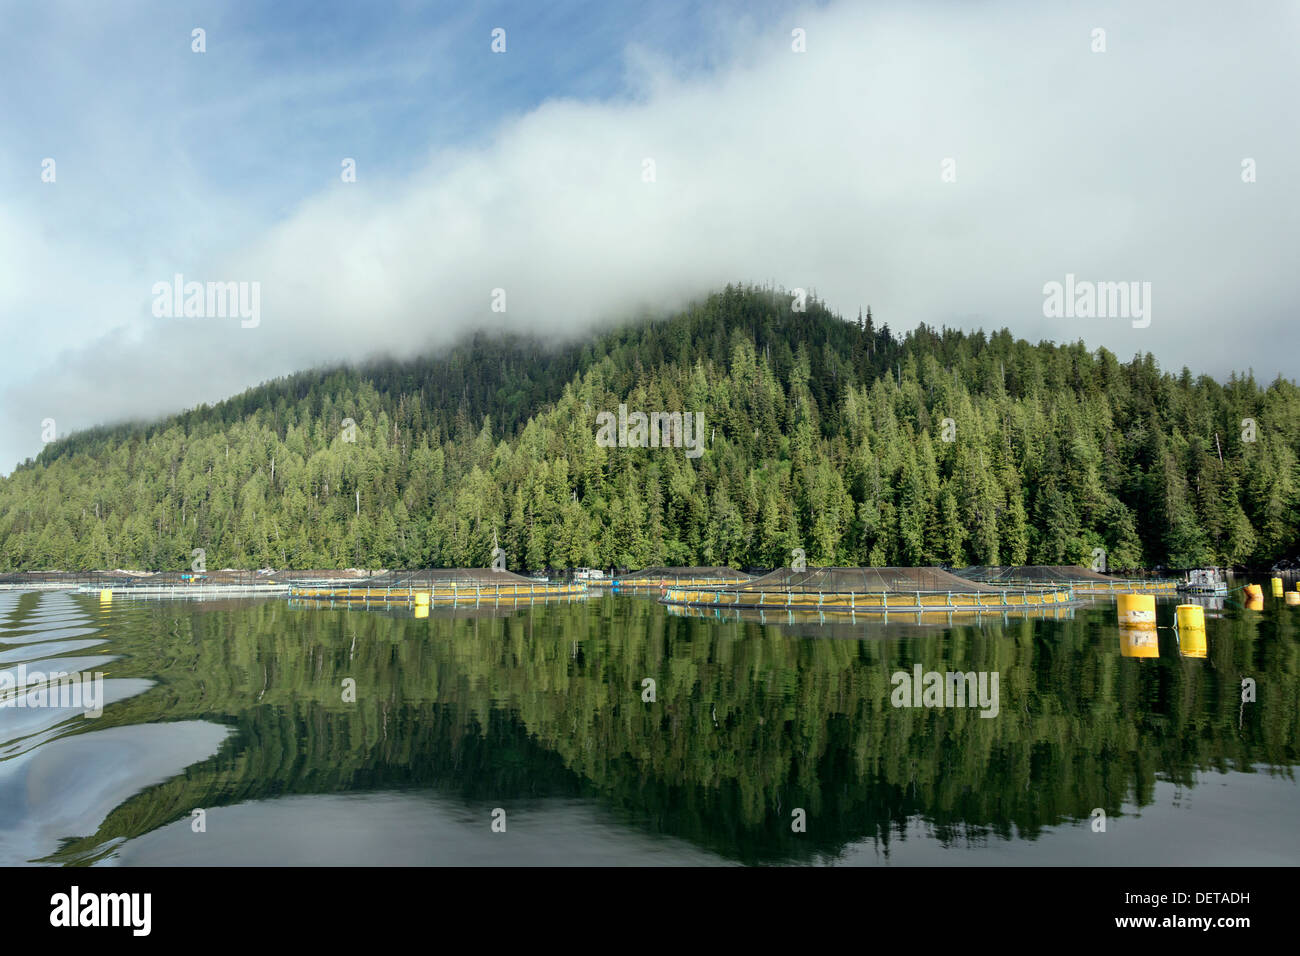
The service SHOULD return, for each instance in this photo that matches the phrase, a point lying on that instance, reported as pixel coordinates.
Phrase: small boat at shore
(1205, 581)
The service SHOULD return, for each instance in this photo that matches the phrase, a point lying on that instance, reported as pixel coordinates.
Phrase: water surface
(535, 718)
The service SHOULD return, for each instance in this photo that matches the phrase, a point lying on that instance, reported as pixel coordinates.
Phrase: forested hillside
(819, 433)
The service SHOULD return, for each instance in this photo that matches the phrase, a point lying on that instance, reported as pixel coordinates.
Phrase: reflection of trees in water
(749, 722)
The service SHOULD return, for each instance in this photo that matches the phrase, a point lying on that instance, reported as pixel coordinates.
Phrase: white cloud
(819, 170)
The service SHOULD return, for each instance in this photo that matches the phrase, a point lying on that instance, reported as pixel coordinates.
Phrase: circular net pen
(656, 579)
(445, 586)
(67, 580)
(1083, 580)
(870, 590)
(192, 584)
(832, 622)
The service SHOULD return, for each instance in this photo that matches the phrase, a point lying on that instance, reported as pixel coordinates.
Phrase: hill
(833, 436)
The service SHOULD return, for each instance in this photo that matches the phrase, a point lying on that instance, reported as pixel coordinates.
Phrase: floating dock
(869, 591)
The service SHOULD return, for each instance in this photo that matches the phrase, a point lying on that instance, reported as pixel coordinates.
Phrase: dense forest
(838, 437)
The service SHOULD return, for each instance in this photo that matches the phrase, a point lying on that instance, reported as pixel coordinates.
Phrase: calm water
(237, 708)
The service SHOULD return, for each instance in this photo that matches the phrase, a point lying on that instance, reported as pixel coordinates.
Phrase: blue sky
(283, 89)
(524, 171)
(166, 156)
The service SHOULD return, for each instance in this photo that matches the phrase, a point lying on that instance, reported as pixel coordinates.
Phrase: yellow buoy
(421, 598)
(1254, 592)
(1138, 641)
(106, 596)
(1191, 643)
(1277, 587)
(1293, 597)
(1254, 602)
(1191, 617)
(1137, 609)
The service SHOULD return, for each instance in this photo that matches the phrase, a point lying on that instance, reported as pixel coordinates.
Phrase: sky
(941, 162)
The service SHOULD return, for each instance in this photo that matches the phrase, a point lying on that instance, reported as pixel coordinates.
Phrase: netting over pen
(669, 575)
(870, 591)
(323, 574)
(429, 577)
(1036, 573)
(21, 579)
(864, 581)
(227, 577)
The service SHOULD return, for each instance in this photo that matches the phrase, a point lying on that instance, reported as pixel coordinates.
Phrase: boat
(1205, 581)
(588, 574)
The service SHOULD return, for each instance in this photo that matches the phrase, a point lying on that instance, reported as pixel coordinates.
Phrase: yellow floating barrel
(1254, 597)
(1277, 587)
(1138, 641)
(1191, 630)
(1191, 643)
(421, 598)
(106, 596)
(1293, 597)
(1137, 610)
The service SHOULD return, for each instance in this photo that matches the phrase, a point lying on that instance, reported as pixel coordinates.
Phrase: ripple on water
(67, 787)
(57, 784)
(30, 636)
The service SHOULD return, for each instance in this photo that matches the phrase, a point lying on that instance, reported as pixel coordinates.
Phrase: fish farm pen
(459, 586)
(64, 580)
(832, 622)
(1083, 580)
(869, 590)
(186, 584)
(398, 605)
(655, 579)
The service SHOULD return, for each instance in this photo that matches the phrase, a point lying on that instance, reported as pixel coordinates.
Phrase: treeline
(838, 437)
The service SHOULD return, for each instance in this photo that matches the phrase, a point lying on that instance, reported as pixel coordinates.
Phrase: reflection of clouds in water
(1266, 836)
(57, 617)
(26, 652)
(19, 723)
(65, 618)
(67, 787)
(405, 829)
(29, 636)
(64, 614)
(54, 786)
(35, 637)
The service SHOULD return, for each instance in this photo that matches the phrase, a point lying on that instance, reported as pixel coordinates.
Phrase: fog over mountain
(823, 170)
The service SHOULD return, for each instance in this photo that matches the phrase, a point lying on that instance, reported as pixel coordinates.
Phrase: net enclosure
(869, 590)
(428, 577)
(1038, 573)
(864, 580)
(431, 586)
(704, 576)
(1083, 580)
